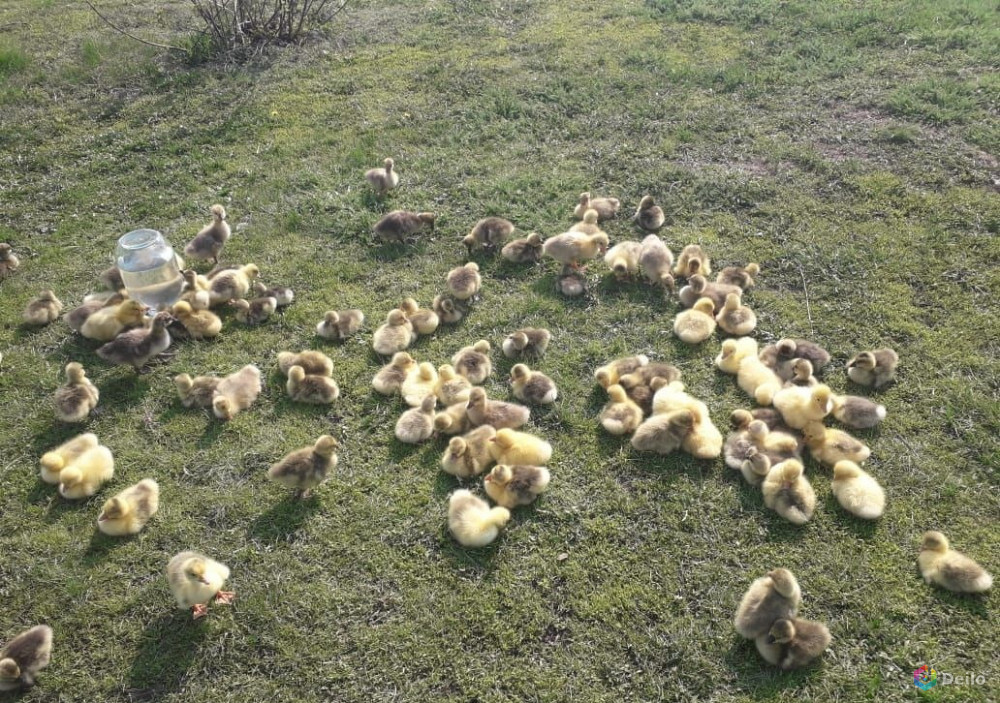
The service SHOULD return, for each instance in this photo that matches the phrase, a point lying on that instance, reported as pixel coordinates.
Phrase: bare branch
(132, 36)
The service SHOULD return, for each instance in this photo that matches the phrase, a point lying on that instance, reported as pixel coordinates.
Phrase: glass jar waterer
(150, 269)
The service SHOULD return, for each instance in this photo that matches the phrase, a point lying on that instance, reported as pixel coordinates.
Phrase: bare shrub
(240, 25)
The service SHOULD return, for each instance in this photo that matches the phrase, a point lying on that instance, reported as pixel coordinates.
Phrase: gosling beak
(102, 518)
(203, 580)
(770, 639)
(488, 477)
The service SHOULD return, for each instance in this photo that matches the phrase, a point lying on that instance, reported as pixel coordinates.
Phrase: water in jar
(149, 268)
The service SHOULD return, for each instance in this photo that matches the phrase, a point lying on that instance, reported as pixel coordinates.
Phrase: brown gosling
(306, 468)
(488, 233)
(649, 215)
(208, 243)
(526, 341)
(741, 276)
(735, 318)
(788, 493)
(75, 401)
(772, 597)
(532, 386)
(43, 309)
(524, 251)
(24, 656)
(338, 325)
(793, 643)
(606, 207)
(655, 262)
(9, 261)
(621, 415)
(873, 368)
(511, 486)
(401, 225)
(313, 389)
(464, 282)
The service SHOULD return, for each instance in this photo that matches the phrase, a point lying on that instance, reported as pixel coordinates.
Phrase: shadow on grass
(55, 435)
(401, 450)
(57, 506)
(635, 290)
(446, 484)
(972, 603)
(866, 529)
(284, 519)
(76, 347)
(213, 431)
(545, 286)
(393, 251)
(508, 270)
(101, 545)
(177, 408)
(125, 390)
(284, 405)
(671, 466)
(24, 331)
(758, 678)
(42, 491)
(370, 200)
(168, 647)
(478, 560)
(596, 401)
(780, 530)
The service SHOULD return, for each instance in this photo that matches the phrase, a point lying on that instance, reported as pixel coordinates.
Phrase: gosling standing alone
(382, 180)
(306, 468)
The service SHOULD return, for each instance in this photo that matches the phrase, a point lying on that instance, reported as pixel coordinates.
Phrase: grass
(851, 150)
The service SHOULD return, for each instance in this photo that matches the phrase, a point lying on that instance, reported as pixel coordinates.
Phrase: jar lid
(139, 239)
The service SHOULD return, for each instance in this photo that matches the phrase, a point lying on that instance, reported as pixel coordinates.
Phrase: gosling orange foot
(199, 611)
(225, 597)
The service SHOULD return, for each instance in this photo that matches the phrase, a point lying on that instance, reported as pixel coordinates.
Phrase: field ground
(850, 148)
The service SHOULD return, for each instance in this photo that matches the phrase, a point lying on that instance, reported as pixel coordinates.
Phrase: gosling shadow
(393, 251)
(972, 603)
(402, 450)
(284, 519)
(57, 434)
(445, 484)
(545, 286)
(759, 679)
(866, 529)
(168, 647)
(508, 270)
(633, 289)
(286, 406)
(596, 400)
(101, 545)
(480, 561)
(213, 431)
(670, 466)
(370, 200)
(781, 530)
(124, 390)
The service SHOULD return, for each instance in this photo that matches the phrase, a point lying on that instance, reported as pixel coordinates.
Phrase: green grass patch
(850, 149)
(12, 59)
